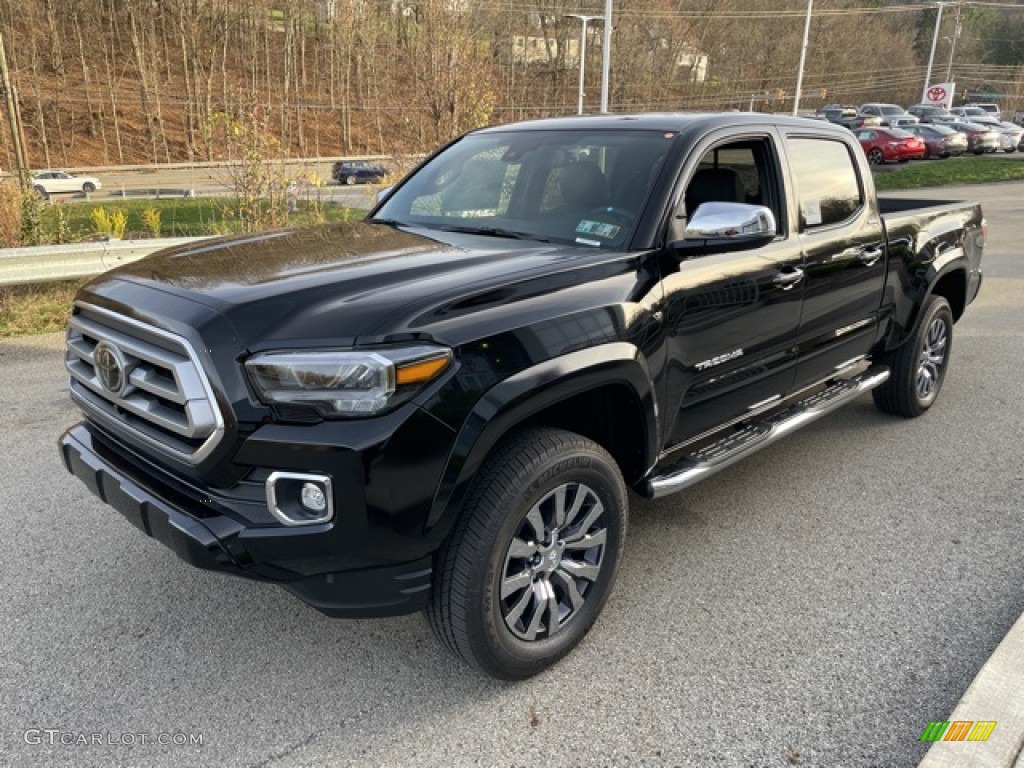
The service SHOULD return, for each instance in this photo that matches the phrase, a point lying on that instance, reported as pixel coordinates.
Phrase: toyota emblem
(109, 367)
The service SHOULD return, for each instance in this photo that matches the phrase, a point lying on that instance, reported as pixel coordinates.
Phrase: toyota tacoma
(442, 407)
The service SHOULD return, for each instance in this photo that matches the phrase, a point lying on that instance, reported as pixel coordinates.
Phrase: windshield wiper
(388, 222)
(493, 232)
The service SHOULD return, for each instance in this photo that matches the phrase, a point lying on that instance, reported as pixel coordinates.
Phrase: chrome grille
(142, 382)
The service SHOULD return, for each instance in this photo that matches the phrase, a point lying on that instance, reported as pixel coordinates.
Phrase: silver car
(1010, 136)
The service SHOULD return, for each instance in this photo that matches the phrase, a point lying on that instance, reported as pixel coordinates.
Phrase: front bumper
(205, 538)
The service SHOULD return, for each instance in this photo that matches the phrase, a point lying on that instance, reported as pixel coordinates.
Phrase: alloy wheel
(932, 360)
(554, 559)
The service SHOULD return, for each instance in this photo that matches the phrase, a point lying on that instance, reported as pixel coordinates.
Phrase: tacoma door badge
(719, 359)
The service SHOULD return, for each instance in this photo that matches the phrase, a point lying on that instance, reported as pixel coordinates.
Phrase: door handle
(786, 280)
(869, 256)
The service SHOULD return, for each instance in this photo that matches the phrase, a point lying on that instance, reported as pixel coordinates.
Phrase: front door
(731, 318)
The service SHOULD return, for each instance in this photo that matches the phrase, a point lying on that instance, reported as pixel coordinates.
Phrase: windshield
(583, 187)
(890, 109)
(942, 130)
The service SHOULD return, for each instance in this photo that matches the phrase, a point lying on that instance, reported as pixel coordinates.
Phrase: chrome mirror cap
(731, 221)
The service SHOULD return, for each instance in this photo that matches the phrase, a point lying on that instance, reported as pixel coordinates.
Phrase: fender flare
(513, 400)
(952, 260)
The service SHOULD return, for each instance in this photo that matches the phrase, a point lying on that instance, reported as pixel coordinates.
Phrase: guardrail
(50, 263)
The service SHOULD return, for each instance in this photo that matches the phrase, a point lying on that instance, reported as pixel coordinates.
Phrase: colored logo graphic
(937, 93)
(958, 730)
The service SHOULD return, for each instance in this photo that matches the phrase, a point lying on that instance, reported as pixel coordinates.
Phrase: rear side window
(826, 181)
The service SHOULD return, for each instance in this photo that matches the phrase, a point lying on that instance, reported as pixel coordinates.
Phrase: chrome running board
(753, 435)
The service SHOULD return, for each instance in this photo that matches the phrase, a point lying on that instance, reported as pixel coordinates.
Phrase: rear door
(843, 244)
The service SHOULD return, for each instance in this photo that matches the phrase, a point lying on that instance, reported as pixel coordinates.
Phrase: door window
(827, 185)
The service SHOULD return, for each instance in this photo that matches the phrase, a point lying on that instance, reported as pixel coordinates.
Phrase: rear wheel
(531, 563)
(41, 192)
(918, 368)
(350, 180)
(88, 187)
(875, 157)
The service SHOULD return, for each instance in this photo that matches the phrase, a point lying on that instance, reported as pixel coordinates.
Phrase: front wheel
(533, 559)
(875, 157)
(88, 187)
(350, 180)
(918, 368)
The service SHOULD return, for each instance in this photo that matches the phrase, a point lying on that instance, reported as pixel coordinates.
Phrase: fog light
(300, 499)
(313, 497)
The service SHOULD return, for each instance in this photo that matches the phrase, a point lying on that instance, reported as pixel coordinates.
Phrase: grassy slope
(940, 173)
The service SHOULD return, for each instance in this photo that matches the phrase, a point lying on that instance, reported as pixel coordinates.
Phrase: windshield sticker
(812, 212)
(584, 241)
(607, 231)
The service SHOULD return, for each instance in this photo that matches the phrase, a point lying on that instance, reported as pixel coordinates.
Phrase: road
(815, 605)
(214, 182)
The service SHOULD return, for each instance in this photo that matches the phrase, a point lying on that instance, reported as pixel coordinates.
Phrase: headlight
(346, 382)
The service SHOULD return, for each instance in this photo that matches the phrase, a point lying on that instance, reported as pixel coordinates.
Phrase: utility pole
(931, 56)
(952, 45)
(13, 118)
(606, 54)
(583, 52)
(803, 57)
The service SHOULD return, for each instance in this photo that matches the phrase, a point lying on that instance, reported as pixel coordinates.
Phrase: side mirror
(735, 222)
(722, 227)
(382, 195)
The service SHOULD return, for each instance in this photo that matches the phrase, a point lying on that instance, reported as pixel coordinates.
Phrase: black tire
(875, 157)
(88, 187)
(494, 546)
(918, 368)
(350, 180)
(41, 192)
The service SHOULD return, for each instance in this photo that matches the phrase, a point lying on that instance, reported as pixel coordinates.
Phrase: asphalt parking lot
(816, 605)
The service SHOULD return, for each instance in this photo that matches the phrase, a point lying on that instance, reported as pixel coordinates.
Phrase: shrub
(151, 220)
(109, 224)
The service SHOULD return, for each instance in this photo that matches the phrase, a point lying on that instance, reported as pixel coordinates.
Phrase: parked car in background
(930, 113)
(48, 183)
(939, 140)
(847, 117)
(992, 109)
(358, 172)
(891, 115)
(1009, 136)
(975, 115)
(883, 145)
(980, 138)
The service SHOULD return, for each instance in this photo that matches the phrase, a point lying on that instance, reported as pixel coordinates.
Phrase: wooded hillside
(125, 81)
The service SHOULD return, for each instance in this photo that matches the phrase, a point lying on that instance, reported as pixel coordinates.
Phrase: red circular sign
(937, 93)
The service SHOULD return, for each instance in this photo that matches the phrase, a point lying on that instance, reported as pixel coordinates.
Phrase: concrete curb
(997, 693)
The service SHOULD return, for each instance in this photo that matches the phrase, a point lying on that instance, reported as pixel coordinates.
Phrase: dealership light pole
(931, 56)
(606, 54)
(803, 57)
(583, 51)
(952, 45)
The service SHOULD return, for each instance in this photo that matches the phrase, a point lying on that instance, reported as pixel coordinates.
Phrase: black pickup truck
(442, 407)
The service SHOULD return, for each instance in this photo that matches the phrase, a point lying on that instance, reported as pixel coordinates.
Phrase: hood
(341, 282)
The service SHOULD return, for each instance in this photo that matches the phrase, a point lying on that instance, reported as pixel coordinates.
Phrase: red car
(885, 144)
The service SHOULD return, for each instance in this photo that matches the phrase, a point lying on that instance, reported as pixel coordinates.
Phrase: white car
(54, 182)
(1010, 136)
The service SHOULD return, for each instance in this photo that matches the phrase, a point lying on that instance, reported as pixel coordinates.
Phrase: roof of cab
(661, 121)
